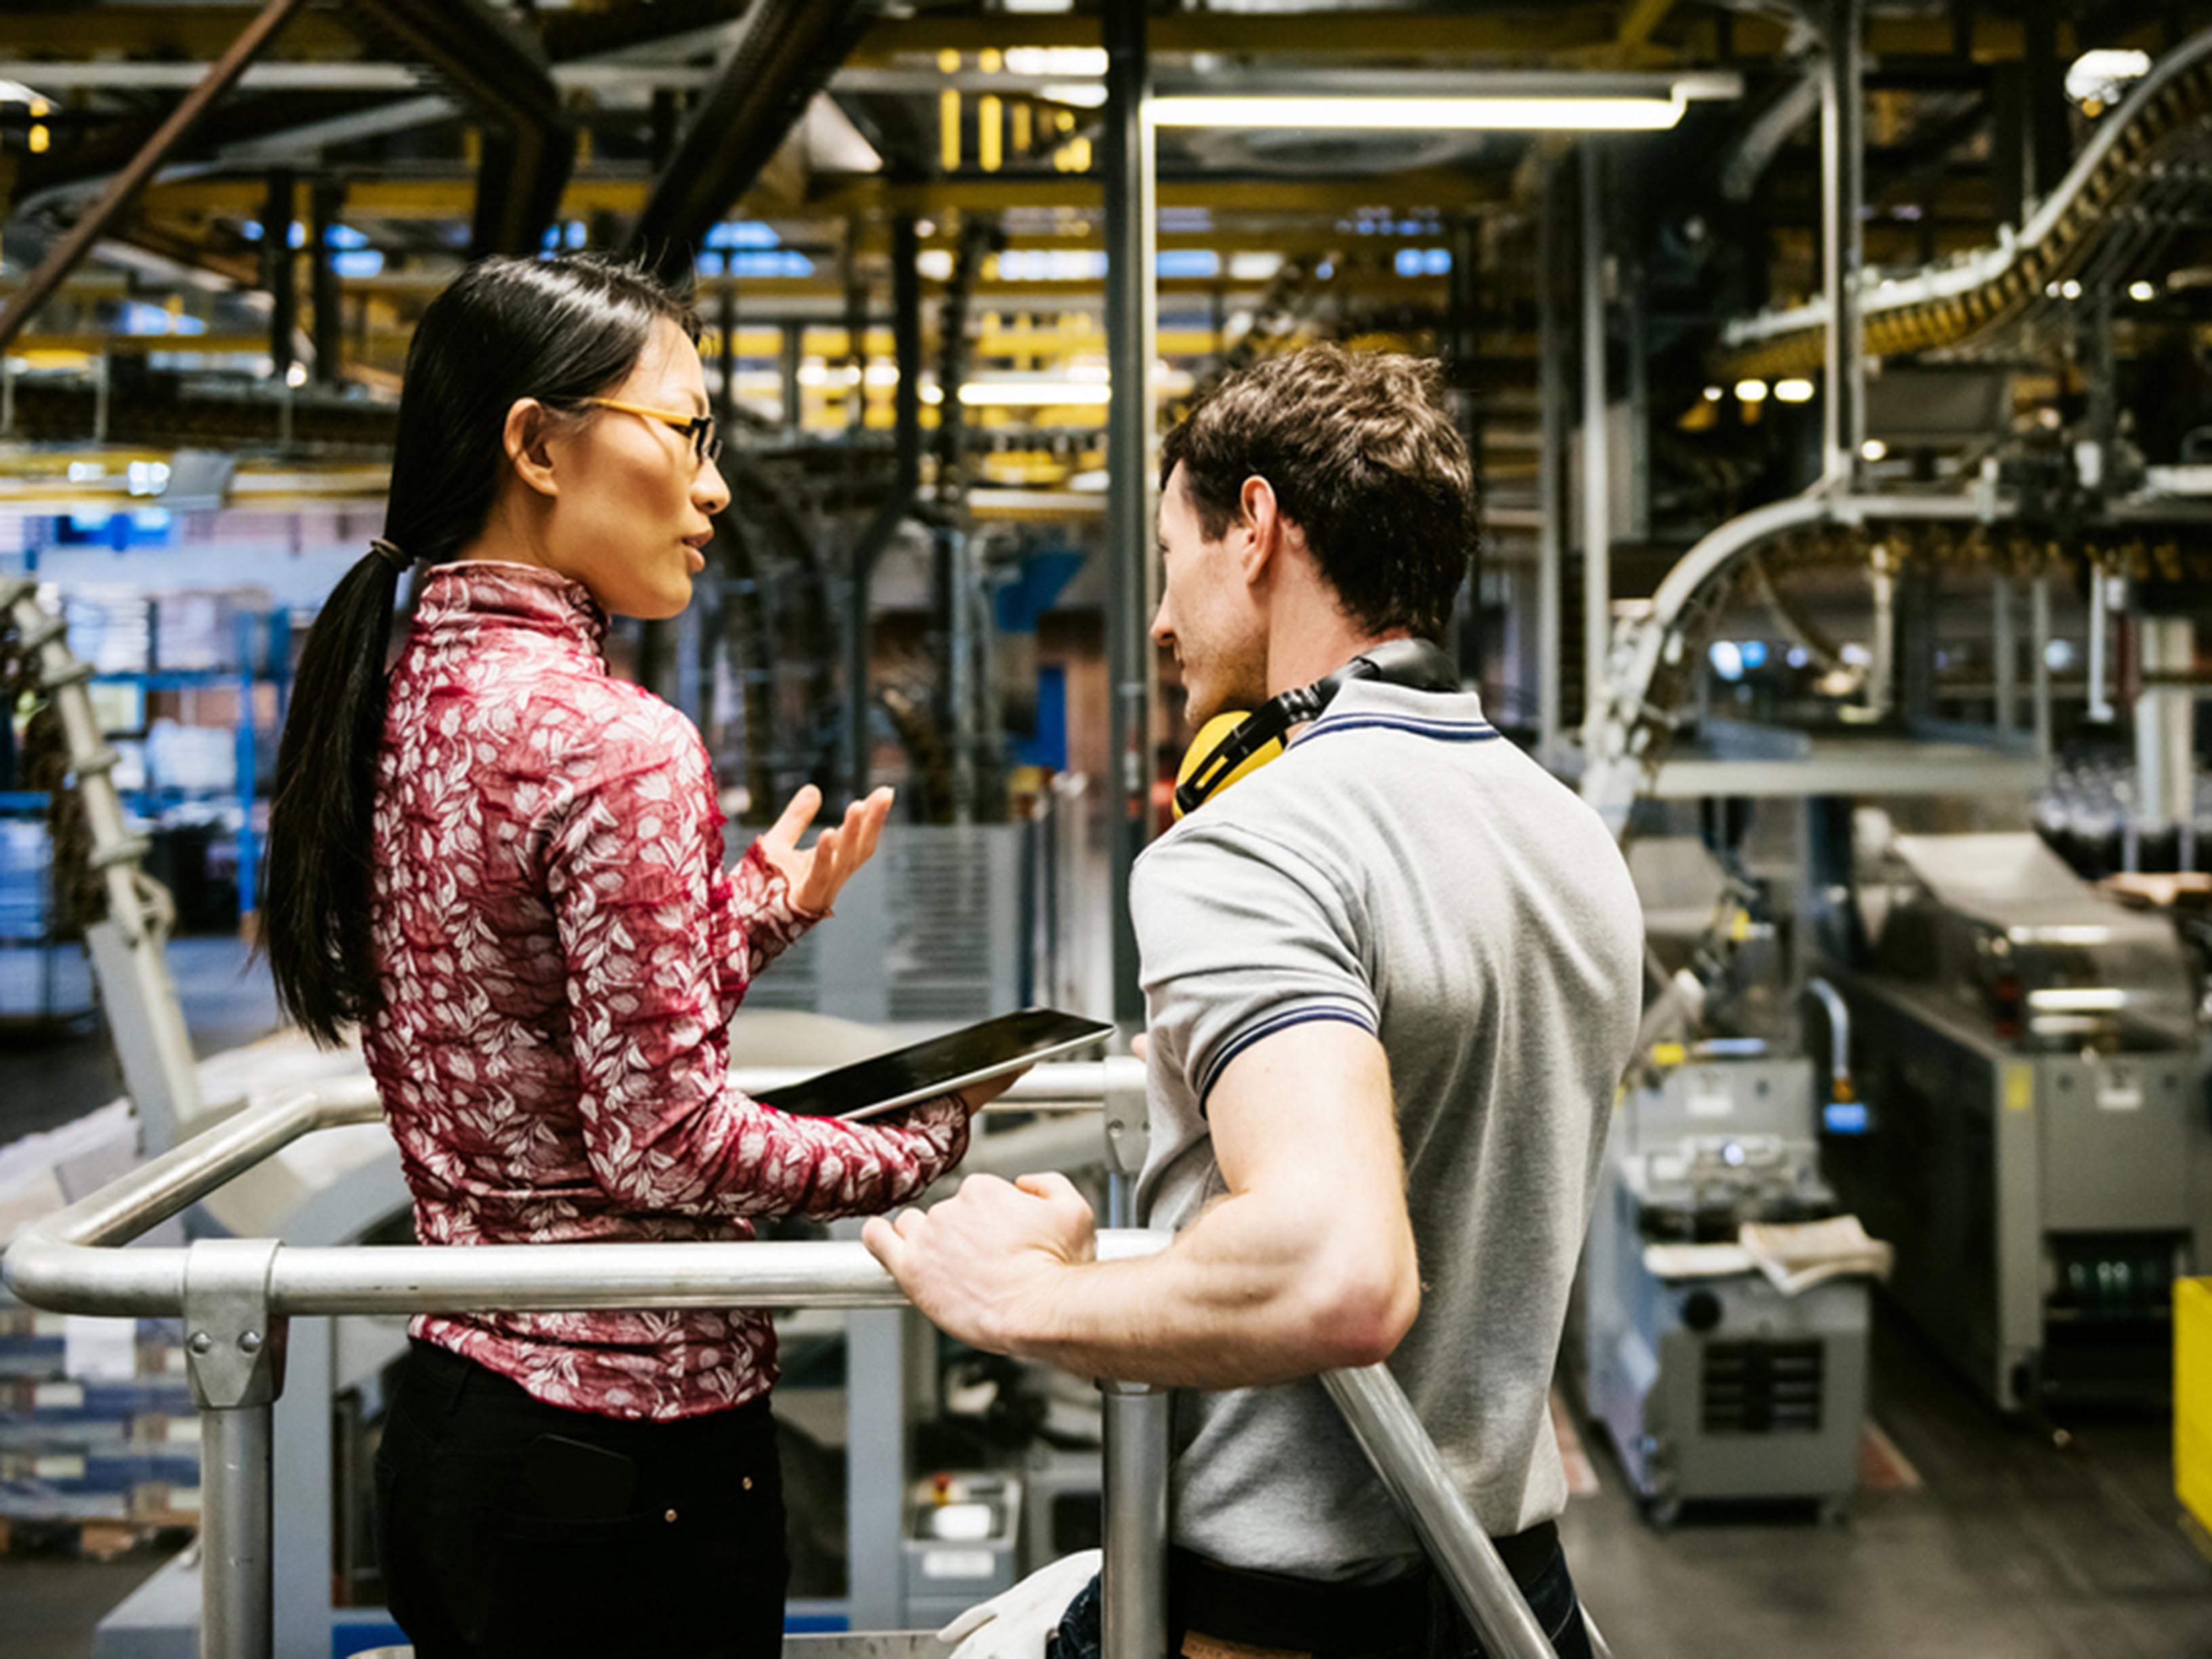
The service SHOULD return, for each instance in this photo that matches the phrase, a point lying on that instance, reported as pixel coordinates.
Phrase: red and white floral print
(560, 949)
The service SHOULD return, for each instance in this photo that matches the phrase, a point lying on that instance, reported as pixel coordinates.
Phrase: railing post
(234, 1354)
(1133, 1587)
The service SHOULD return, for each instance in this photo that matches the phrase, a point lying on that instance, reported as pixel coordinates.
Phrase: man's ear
(524, 439)
(1259, 527)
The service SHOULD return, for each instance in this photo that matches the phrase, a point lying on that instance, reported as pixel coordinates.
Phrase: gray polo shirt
(1404, 870)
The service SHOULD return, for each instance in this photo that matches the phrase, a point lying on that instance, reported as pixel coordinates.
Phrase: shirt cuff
(772, 922)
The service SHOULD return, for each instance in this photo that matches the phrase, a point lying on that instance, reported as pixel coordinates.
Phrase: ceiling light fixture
(1042, 394)
(1466, 114)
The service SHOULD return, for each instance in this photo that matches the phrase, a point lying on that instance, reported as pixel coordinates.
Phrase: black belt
(1306, 1615)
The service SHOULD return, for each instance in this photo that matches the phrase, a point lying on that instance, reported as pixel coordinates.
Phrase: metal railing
(237, 1296)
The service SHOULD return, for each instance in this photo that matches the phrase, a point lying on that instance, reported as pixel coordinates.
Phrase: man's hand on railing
(1015, 1624)
(980, 1263)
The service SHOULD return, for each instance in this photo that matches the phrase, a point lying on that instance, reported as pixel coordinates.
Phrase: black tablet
(974, 1053)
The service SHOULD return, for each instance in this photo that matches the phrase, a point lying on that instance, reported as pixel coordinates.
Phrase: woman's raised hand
(816, 875)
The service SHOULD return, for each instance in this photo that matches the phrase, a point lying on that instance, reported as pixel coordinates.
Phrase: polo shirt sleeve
(1241, 937)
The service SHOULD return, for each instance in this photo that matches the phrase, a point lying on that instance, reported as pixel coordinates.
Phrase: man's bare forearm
(1239, 1300)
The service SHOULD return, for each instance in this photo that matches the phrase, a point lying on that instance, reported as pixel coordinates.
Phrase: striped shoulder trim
(1268, 1026)
(1444, 731)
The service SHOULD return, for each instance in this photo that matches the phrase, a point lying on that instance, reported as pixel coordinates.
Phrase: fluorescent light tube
(1520, 114)
(1035, 394)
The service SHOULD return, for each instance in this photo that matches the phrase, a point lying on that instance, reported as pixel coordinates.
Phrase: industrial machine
(1709, 1379)
(2036, 1145)
(964, 1536)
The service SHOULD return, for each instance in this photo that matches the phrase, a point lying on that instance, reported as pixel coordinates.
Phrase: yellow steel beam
(1423, 187)
(1644, 17)
(454, 197)
(1524, 29)
(196, 33)
(1523, 33)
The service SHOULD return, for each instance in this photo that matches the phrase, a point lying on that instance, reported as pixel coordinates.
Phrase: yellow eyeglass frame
(706, 442)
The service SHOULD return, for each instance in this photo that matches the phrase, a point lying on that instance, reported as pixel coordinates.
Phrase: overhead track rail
(789, 50)
(2116, 208)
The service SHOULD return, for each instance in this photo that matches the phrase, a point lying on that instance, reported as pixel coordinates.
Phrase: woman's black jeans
(507, 1526)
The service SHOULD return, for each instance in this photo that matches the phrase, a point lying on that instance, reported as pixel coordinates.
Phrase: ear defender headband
(1257, 738)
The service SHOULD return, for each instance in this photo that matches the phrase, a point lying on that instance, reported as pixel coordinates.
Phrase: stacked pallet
(98, 1442)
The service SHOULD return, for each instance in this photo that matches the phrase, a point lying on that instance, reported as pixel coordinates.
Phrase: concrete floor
(49, 1604)
(2011, 1549)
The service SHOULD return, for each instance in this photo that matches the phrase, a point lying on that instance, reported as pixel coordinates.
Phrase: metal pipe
(1597, 473)
(2101, 702)
(1881, 666)
(2004, 650)
(1382, 1420)
(1132, 320)
(1840, 1036)
(2166, 760)
(570, 1277)
(236, 1599)
(1842, 246)
(2039, 665)
(906, 404)
(325, 203)
(1550, 466)
(1132, 1586)
(69, 253)
(280, 269)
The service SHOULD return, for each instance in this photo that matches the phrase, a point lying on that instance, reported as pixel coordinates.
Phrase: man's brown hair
(1362, 457)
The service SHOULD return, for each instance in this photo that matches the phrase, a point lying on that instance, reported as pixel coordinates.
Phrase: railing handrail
(71, 1261)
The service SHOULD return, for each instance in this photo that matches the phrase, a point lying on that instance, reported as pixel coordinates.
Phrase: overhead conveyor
(2116, 207)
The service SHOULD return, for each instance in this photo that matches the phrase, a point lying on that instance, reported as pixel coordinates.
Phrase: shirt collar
(477, 593)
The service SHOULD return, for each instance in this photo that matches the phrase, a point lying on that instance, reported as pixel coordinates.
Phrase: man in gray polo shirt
(1392, 980)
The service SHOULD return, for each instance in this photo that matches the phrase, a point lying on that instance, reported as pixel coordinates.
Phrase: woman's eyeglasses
(706, 442)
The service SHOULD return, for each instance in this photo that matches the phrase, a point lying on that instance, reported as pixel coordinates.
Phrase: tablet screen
(975, 1053)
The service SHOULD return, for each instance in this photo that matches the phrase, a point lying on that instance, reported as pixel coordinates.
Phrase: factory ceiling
(767, 149)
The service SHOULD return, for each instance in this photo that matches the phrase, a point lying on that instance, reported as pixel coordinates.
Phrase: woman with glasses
(506, 868)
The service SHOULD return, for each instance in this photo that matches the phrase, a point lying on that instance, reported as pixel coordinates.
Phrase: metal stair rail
(237, 1296)
(127, 944)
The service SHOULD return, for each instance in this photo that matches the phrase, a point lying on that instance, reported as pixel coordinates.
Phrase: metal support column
(1131, 326)
(1134, 1586)
(2038, 666)
(2101, 625)
(726, 322)
(235, 1355)
(328, 328)
(2004, 655)
(278, 272)
(1842, 246)
(906, 404)
(787, 367)
(1597, 469)
(2166, 760)
(1550, 463)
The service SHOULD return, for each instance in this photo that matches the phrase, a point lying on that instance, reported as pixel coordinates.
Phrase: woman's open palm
(816, 875)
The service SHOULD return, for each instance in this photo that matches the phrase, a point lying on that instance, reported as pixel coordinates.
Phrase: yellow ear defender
(1235, 745)
(1211, 736)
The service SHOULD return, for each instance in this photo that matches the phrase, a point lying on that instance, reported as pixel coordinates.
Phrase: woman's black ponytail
(557, 330)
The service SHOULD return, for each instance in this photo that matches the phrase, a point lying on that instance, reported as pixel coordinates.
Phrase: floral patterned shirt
(560, 951)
